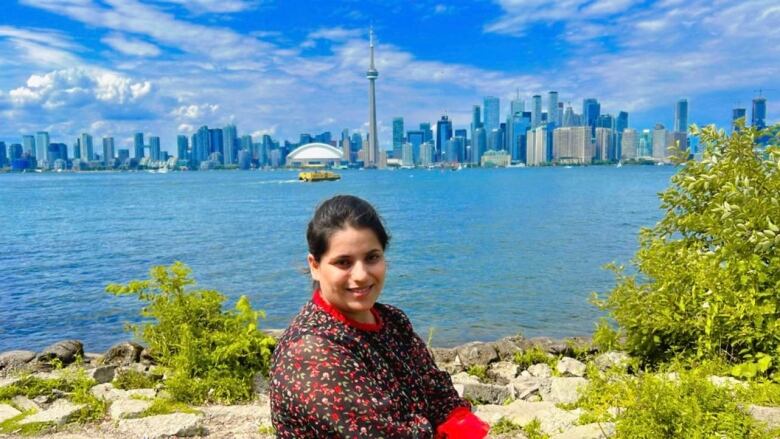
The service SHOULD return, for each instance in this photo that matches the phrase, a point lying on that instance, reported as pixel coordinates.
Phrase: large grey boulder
(768, 415)
(15, 359)
(487, 393)
(502, 372)
(102, 374)
(588, 431)
(569, 367)
(65, 351)
(123, 354)
(447, 360)
(58, 413)
(526, 388)
(108, 392)
(128, 408)
(553, 420)
(563, 390)
(540, 370)
(507, 347)
(8, 412)
(162, 426)
(25, 403)
(477, 354)
(612, 359)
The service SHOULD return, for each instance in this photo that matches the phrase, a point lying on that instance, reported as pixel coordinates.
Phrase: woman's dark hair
(338, 213)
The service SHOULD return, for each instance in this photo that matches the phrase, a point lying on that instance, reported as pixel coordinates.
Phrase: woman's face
(351, 273)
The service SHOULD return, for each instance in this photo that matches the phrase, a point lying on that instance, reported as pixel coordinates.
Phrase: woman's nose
(359, 271)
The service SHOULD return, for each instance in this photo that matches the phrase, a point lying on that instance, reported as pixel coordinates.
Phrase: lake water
(476, 254)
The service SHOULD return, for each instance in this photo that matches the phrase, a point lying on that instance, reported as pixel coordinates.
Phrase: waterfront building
(229, 140)
(629, 144)
(552, 108)
(517, 126)
(28, 144)
(398, 136)
(346, 148)
(138, 146)
(425, 127)
(621, 123)
(154, 148)
(268, 145)
(443, 134)
(478, 145)
(407, 157)
(42, 146)
(77, 149)
(454, 150)
(677, 139)
(324, 137)
(591, 110)
(659, 142)
(604, 148)
(15, 152)
(415, 139)
(57, 151)
(568, 118)
(244, 159)
(560, 113)
(645, 145)
(476, 122)
(572, 145)
(216, 142)
(536, 111)
(182, 146)
(736, 114)
(314, 154)
(372, 158)
(517, 105)
(3, 155)
(539, 141)
(426, 154)
(246, 143)
(123, 155)
(681, 116)
(108, 150)
(492, 107)
(758, 119)
(493, 159)
(87, 148)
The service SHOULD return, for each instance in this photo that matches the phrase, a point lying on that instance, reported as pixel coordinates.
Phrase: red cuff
(462, 424)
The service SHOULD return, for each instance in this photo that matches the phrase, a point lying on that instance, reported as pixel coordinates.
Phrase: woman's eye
(374, 258)
(342, 263)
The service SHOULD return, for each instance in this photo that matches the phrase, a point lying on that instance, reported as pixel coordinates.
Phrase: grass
(533, 430)
(505, 426)
(13, 426)
(162, 406)
(267, 429)
(479, 371)
(535, 355)
(129, 379)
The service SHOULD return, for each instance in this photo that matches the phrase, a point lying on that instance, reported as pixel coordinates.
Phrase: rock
(42, 399)
(726, 381)
(93, 358)
(569, 367)
(102, 374)
(59, 413)
(612, 359)
(8, 412)
(507, 347)
(502, 372)
(123, 354)
(128, 408)
(146, 356)
(487, 393)
(260, 384)
(162, 426)
(563, 390)
(588, 431)
(9, 381)
(66, 351)
(525, 387)
(274, 332)
(14, 359)
(460, 388)
(25, 403)
(464, 378)
(768, 415)
(447, 360)
(553, 420)
(108, 392)
(476, 354)
(143, 393)
(540, 370)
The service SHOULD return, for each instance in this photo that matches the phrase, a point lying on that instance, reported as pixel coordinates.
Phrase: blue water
(476, 254)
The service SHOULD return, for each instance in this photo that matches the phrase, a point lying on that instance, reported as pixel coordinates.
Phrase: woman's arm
(322, 390)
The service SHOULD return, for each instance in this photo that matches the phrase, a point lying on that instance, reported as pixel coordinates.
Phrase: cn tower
(372, 158)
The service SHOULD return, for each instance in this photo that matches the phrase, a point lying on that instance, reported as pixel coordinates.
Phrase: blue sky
(113, 67)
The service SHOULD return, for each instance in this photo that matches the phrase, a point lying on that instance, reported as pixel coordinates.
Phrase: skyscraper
(758, 119)
(398, 136)
(229, 136)
(42, 145)
(425, 127)
(659, 142)
(630, 144)
(736, 114)
(108, 150)
(621, 123)
(572, 145)
(181, 147)
(154, 148)
(415, 139)
(443, 134)
(536, 111)
(552, 108)
(681, 116)
(591, 110)
(138, 145)
(372, 158)
(478, 145)
(28, 145)
(87, 149)
(492, 109)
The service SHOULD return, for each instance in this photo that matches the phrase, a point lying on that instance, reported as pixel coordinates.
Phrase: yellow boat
(318, 176)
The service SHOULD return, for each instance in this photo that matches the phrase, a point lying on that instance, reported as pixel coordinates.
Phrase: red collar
(336, 314)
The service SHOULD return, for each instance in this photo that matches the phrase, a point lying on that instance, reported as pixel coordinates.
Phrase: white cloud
(131, 46)
(71, 86)
(218, 6)
(195, 111)
(335, 34)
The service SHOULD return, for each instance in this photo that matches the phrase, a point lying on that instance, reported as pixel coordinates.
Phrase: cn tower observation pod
(314, 155)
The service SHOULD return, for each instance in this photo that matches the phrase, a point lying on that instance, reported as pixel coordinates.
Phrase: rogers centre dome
(314, 154)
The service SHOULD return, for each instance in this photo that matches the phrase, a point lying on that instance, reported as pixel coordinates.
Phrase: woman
(348, 366)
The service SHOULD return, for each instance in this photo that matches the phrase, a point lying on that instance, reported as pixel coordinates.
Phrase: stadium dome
(314, 154)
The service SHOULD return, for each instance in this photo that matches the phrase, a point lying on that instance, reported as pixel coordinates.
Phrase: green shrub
(532, 356)
(479, 371)
(656, 406)
(533, 430)
(162, 406)
(210, 354)
(505, 426)
(709, 272)
(128, 379)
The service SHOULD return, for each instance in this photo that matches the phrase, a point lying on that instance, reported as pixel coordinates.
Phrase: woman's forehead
(349, 240)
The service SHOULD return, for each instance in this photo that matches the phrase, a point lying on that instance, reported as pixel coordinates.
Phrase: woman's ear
(314, 267)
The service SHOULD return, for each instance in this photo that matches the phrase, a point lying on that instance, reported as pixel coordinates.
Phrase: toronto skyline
(113, 68)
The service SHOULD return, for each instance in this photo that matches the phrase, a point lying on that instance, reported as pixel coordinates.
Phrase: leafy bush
(535, 355)
(128, 379)
(709, 271)
(505, 426)
(210, 354)
(479, 371)
(658, 406)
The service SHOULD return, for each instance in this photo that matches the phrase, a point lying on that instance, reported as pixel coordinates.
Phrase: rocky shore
(507, 388)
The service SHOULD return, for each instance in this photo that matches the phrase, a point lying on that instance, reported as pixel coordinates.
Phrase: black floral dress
(334, 377)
